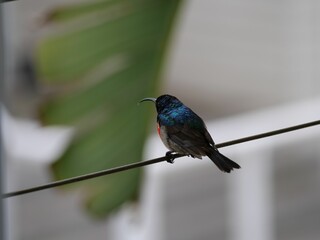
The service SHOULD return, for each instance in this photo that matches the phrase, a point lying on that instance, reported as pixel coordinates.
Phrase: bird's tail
(222, 162)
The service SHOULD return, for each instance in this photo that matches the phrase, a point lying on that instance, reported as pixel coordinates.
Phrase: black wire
(268, 134)
(152, 161)
(90, 175)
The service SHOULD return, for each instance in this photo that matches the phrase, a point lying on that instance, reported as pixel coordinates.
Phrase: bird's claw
(170, 157)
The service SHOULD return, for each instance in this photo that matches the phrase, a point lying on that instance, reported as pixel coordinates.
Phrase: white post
(250, 198)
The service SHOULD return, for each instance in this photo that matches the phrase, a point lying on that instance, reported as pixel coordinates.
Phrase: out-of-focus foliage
(98, 59)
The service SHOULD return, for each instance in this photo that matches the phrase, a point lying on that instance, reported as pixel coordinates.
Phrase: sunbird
(182, 131)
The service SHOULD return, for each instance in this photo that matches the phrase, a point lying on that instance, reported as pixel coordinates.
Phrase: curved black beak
(148, 99)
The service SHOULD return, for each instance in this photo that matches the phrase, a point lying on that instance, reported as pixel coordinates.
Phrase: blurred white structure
(192, 198)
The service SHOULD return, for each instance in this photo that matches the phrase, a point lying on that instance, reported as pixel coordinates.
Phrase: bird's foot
(170, 157)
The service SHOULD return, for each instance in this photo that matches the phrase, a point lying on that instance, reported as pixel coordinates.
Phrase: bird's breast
(163, 135)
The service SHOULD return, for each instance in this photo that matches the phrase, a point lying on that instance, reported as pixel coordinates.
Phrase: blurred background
(73, 73)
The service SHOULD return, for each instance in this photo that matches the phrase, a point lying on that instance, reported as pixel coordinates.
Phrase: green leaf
(99, 59)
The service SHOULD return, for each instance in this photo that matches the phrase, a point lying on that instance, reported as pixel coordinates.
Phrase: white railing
(250, 190)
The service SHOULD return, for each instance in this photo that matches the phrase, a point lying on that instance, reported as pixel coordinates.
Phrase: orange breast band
(158, 128)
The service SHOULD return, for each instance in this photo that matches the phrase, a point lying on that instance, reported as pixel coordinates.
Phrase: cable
(153, 161)
(268, 134)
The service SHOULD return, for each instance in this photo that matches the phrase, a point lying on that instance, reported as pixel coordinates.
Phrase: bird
(183, 132)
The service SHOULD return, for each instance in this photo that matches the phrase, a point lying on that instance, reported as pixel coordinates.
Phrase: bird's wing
(192, 141)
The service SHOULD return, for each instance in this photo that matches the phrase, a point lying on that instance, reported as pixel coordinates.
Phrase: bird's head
(164, 102)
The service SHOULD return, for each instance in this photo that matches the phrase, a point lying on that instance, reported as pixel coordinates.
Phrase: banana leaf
(96, 60)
